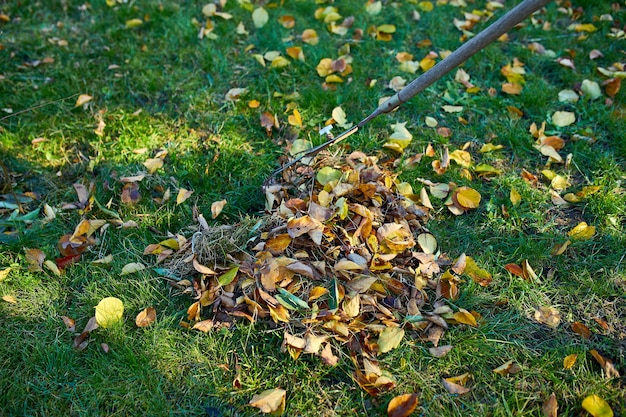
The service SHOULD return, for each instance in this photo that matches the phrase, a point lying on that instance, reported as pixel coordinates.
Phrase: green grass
(159, 87)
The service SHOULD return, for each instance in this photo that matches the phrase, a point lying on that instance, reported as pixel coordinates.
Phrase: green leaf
(333, 301)
(228, 276)
(327, 174)
(290, 301)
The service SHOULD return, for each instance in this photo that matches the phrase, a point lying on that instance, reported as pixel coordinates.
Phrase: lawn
(133, 118)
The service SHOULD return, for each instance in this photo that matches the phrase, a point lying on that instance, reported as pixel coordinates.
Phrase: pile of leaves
(342, 258)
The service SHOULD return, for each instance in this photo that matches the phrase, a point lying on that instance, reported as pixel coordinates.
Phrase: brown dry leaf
(328, 357)
(549, 316)
(515, 270)
(512, 88)
(569, 360)
(70, 323)
(455, 385)
(130, 193)
(204, 326)
(581, 329)
(550, 407)
(402, 405)
(35, 259)
(440, 351)
(287, 21)
(267, 121)
(146, 317)
(507, 368)
(607, 365)
(217, 207)
(270, 401)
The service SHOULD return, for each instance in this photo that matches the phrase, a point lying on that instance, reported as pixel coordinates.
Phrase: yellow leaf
(563, 118)
(217, 207)
(146, 317)
(467, 197)
(489, 147)
(9, 299)
(465, 317)
(260, 17)
(310, 36)
(153, 164)
(133, 23)
(324, 67)
(295, 119)
(515, 197)
(279, 62)
(253, 104)
(425, 6)
(4, 273)
(597, 407)
(462, 158)
(83, 99)
(427, 242)
(317, 292)
(387, 28)
(373, 8)
(270, 401)
(570, 360)
(109, 311)
(583, 27)
(132, 268)
(183, 195)
(582, 231)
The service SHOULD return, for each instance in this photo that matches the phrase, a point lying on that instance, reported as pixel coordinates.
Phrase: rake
(474, 45)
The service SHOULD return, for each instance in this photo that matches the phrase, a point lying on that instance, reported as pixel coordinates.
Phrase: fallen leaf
(465, 317)
(607, 365)
(35, 259)
(582, 231)
(550, 406)
(109, 311)
(270, 401)
(507, 368)
(563, 118)
(389, 339)
(591, 89)
(146, 317)
(9, 299)
(402, 405)
(83, 99)
(133, 23)
(328, 357)
(70, 324)
(217, 207)
(440, 351)
(130, 193)
(467, 197)
(183, 195)
(549, 316)
(132, 267)
(597, 407)
(569, 360)
(451, 385)
(204, 326)
(581, 329)
(260, 17)
(153, 164)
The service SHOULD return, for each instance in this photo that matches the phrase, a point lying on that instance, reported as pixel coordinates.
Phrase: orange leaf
(146, 317)
(402, 405)
(581, 329)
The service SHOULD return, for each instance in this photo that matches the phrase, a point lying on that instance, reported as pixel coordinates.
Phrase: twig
(37, 106)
